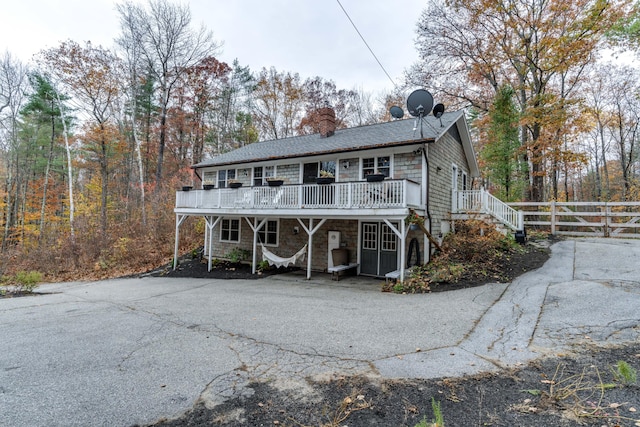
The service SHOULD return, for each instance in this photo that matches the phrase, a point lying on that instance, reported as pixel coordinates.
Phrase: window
(230, 230)
(329, 166)
(388, 238)
(376, 165)
(224, 176)
(209, 177)
(268, 234)
(260, 174)
(370, 236)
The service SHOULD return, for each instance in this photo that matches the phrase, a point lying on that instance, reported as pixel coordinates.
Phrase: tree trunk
(163, 133)
(104, 172)
(43, 207)
(69, 167)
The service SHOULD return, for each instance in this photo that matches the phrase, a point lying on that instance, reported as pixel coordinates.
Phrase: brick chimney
(327, 121)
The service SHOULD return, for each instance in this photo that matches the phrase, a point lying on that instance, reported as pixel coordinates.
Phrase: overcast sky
(313, 38)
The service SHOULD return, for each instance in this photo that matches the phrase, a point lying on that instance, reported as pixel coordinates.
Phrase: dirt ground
(566, 391)
(585, 388)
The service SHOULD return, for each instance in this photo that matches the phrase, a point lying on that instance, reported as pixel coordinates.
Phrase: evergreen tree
(500, 154)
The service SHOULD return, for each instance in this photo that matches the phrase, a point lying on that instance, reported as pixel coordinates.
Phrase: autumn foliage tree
(91, 74)
(470, 48)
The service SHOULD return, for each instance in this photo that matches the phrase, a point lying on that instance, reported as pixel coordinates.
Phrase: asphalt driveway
(127, 351)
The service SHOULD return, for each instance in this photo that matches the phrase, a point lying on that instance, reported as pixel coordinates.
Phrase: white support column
(179, 220)
(255, 227)
(309, 248)
(402, 235)
(211, 224)
(311, 230)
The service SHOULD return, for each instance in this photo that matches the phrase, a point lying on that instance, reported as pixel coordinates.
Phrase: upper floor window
(329, 166)
(209, 177)
(261, 173)
(376, 165)
(224, 176)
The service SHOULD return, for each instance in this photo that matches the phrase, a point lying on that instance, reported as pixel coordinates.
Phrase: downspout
(426, 208)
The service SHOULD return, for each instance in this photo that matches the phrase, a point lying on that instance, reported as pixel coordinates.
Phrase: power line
(366, 44)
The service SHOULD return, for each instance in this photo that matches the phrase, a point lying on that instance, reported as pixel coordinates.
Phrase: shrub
(23, 282)
(238, 255)
(263, 265)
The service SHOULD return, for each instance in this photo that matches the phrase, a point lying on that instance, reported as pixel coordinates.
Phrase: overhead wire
(366, 44)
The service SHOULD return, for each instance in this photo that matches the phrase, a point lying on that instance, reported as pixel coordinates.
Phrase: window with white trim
(230, 230)
(370, 236)
(268, 233)
(224, 176)
(261, 173)
(209, 177)
(373, 165)
(388, 239)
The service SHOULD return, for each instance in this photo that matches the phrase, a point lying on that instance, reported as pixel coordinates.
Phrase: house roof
(388, 134)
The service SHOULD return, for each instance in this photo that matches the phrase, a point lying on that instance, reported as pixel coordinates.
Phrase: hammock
(274, 259)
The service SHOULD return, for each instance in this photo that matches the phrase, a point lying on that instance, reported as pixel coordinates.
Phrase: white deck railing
(481, 201)
(348, 195)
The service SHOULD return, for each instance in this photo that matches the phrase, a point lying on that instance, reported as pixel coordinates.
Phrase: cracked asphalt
(130, 351)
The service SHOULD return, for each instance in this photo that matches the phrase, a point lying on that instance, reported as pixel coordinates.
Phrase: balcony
(336, 198)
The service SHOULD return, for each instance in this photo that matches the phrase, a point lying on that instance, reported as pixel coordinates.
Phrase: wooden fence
(596, 219)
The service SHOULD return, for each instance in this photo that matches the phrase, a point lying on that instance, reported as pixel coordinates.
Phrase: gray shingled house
(277, 200)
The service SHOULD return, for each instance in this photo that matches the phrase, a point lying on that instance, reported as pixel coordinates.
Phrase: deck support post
(211, 223)
(256, 226)
(179, 220)
(311, 230)
(402, 235)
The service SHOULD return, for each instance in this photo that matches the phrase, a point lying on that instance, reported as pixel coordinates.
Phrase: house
(425, 164)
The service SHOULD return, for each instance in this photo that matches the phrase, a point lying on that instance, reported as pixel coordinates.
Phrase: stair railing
(482, 201)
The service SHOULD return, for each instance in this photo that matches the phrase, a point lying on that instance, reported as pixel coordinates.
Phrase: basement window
(230, 230)
(268, 234)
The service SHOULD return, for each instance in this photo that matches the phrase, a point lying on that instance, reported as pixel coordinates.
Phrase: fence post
(607, 212)
(520, 220)
(553, 217)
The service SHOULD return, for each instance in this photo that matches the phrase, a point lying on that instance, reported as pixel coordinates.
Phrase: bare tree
(278, 103)
(625, 123)
(13, 86)
(133, 62)
(168, 45)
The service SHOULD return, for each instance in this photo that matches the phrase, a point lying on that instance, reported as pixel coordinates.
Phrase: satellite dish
(396, 112)
(420, 103)
(438, 110)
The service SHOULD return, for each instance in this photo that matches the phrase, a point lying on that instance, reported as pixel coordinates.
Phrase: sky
(312, 38)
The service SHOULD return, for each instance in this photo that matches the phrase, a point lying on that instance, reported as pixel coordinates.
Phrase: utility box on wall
(334, 243)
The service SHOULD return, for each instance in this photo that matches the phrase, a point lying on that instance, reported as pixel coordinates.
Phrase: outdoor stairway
(480, 204)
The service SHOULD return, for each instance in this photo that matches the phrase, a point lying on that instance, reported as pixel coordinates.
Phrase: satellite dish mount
(420, 104)
(438, 111)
